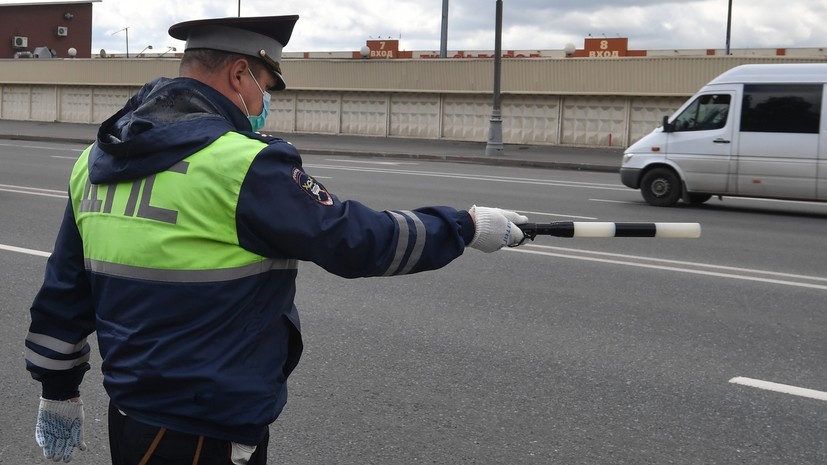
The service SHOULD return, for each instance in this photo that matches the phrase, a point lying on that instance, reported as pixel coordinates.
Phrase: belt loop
(152, 446)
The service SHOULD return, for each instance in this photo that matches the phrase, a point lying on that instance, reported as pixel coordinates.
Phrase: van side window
(791, 108)
(705, 113)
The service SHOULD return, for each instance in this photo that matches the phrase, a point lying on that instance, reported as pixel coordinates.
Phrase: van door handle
(720, 141)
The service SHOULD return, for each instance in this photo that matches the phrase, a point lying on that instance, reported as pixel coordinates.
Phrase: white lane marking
(371, 162)
(680, 262)
(33, 191)
(475, 177)
(40, 147)
(612, 201)
(527, 249)
(12, 248)
(778, 387)
(553, 214)
(64, 158)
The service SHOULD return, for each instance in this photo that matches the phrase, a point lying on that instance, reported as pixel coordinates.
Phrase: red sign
(606, 48)
(384, 49)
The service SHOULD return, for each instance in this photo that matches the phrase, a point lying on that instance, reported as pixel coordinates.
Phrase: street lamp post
(728, 25)
(443, 43)
(169, 49)
(148, 47)
(495, 130)
(126, 30)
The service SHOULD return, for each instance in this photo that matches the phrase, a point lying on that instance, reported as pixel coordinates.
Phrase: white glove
(240, 454)
(495, 228)
(59, 428)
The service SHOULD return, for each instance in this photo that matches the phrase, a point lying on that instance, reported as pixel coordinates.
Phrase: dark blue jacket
(211, 357)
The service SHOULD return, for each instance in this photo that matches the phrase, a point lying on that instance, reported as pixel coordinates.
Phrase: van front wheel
(661, 187)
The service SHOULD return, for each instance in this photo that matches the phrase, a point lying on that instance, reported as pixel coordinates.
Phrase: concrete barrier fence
(579, 102)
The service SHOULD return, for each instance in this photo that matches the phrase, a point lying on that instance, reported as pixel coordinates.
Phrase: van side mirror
(666, 126)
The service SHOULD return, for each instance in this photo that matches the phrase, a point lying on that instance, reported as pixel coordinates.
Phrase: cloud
(344, 25)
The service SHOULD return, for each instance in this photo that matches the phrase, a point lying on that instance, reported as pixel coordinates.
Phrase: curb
(494, 161)
(78, 140)
(514, 162)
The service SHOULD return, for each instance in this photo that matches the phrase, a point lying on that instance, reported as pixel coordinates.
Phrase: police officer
(179, 247)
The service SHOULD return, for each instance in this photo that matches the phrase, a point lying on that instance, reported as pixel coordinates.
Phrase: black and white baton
(604, 229)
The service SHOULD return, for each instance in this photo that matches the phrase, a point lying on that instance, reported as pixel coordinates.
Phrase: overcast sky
(345, 25)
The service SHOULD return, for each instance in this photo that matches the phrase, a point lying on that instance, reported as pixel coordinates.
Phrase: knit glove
(496, 228)
(240, 454)
(59, 428)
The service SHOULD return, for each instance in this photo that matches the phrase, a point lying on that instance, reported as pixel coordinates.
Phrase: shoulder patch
(311, 187)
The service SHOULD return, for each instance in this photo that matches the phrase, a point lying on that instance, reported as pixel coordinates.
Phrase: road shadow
(815, 210)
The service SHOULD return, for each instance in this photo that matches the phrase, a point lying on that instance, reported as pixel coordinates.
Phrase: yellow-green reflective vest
(177, 225)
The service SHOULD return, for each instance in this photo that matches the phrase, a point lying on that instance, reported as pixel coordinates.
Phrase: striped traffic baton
(607, 229)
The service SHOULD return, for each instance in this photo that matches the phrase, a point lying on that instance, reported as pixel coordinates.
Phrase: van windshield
(704, 113)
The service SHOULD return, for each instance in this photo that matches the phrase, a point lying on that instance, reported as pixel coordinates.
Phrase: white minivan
(753, 131)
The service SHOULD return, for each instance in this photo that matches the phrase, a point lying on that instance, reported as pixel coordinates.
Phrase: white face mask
(257, 121)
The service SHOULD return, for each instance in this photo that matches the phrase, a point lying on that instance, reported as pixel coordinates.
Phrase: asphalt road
(563, 351)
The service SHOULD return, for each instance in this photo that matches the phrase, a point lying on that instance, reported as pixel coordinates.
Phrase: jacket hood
(166, 121)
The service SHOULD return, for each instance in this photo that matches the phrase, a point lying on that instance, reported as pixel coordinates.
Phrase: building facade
(46, 30)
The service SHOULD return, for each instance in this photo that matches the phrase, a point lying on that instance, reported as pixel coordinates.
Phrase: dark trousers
(129, 441)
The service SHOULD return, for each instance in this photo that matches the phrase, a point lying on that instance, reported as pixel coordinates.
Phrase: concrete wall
(585, 102)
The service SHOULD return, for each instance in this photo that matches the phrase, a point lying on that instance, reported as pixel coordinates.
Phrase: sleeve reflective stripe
(402, 218)
(55, 344)
(401, 244)
(52, 364)
(419, 245)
